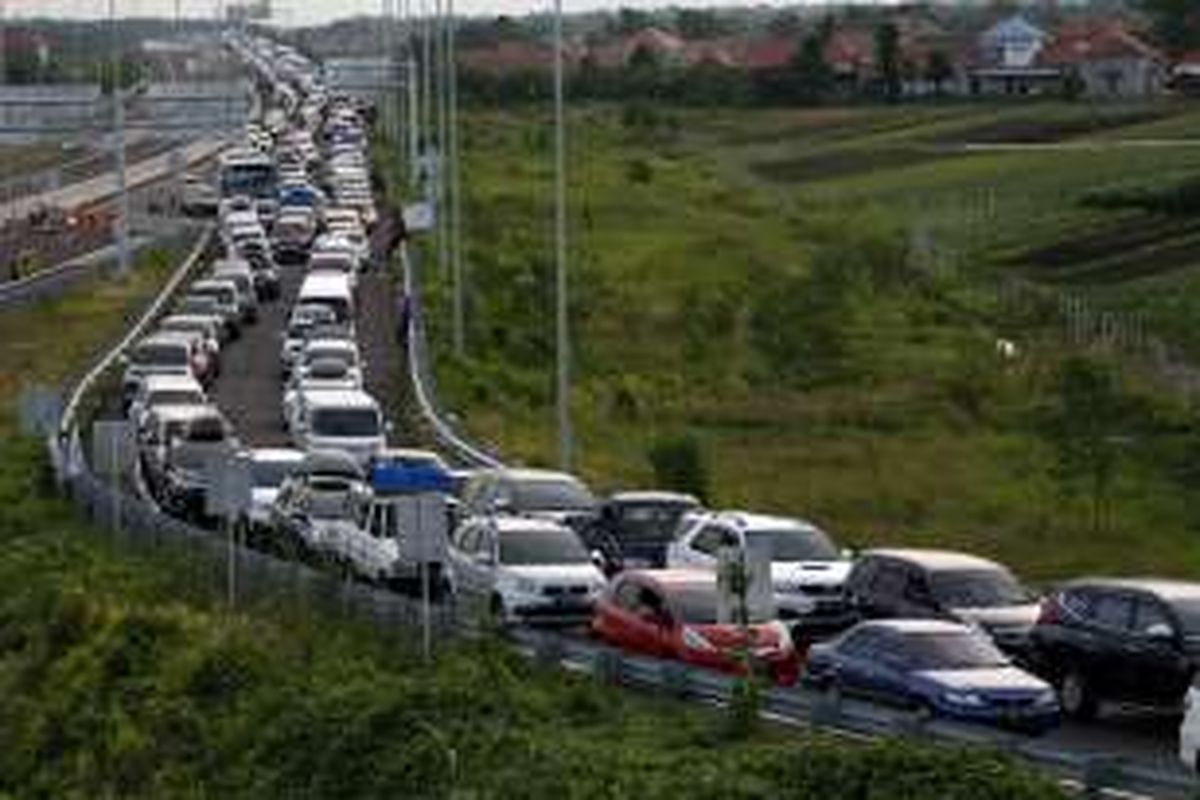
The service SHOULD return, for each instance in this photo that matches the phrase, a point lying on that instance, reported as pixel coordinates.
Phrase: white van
(330, 289)
(349, 421)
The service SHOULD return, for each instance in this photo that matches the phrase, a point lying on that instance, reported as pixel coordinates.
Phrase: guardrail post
(608, 666)
(548, 651)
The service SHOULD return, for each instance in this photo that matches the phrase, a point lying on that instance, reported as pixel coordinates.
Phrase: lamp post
(121, 227)
(562, 348)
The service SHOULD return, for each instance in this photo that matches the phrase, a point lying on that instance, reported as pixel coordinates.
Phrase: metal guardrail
(421, 375)
(1092, 774)
(68, 422)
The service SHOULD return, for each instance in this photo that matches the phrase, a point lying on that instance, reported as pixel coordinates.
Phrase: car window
(626, 595)
(860, 644)
(1149, 613)
(1114, 611)
(712, 539)
(890, 580)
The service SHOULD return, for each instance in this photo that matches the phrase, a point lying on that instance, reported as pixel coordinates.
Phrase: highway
(249, 394)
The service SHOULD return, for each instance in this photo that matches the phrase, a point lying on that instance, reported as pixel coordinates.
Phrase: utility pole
(121, 231)
(412, 85)
(455, 206)
(443, 218)
(560, 251)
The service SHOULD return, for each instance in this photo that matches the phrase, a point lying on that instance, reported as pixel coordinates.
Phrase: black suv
(1135, 641)
(633, 529)
(941, 584)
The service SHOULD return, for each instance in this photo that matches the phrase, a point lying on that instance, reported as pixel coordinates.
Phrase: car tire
(1076, 697)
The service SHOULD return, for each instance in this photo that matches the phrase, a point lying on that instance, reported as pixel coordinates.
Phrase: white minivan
(330, 289)
(349, 421)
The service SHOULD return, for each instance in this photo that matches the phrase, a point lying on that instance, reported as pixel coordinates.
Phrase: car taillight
(1050, 613)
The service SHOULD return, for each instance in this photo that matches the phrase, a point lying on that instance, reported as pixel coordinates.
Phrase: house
(1107, 60)
(1007, 60)
(1185, 74)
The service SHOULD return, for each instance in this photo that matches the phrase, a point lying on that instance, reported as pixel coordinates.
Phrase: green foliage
(887, 59)
(1176, 22)
(1173, 195)
(679, 465)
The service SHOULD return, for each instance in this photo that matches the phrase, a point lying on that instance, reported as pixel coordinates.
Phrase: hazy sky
(297, 12)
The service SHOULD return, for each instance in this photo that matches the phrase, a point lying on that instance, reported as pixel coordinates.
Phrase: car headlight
(525, 586)
(964, 699)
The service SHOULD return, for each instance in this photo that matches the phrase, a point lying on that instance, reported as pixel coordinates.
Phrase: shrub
(679, 465)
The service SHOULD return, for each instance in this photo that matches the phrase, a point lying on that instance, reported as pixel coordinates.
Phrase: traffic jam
(946, 634)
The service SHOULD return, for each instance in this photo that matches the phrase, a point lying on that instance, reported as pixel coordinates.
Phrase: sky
(303, 12)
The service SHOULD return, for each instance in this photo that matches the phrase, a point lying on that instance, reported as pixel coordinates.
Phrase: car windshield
(222, 294)
(541, 547)
(206, 429)
(177, 397)
(977, 588)
(165, 354)
(798, 544)
(345, 355)
(697, 605)
(330, 504)
(929, 651)
(270, 473)
(552, 495)
(346, 422)
(650, 521)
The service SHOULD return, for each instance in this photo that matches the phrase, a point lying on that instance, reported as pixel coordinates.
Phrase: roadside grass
(48, 342)
(123, 675)
(827, 367)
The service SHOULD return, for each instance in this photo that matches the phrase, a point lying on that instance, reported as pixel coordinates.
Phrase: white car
(808, 572)
(326, 375)
(315, 350)
(349, 421)
(269, 468)
(304, 317)
(157, 391)
(523, 570)
(1189, 729)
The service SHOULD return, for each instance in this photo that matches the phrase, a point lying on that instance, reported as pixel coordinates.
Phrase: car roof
(750, 522)
(652, 497)
(184, 413)
(288, 454)
(1167, 589)
(205, 319)
(530, 474)
(151, 382)
(676, 578)
(507, 524)
(935, 560)
(340, 398)
(175, 338)
(914, 626)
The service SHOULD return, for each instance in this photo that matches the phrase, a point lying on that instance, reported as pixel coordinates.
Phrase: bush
(679, 466)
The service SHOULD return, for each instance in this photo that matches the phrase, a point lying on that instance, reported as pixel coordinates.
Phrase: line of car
(949, 634)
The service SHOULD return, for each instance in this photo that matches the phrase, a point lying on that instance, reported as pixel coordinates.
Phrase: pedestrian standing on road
(403, 312)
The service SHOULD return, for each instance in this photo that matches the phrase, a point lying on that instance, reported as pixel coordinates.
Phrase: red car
(672, 613)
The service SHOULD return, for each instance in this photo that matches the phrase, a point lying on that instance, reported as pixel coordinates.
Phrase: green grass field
(811, 295)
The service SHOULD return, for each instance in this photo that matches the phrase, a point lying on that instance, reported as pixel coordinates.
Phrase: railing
(421, 376)
(1092, 774)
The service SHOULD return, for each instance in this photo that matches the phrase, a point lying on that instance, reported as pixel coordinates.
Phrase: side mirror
(599, 560)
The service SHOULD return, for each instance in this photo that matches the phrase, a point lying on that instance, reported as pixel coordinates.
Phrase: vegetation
(814, 297)
(123, 677)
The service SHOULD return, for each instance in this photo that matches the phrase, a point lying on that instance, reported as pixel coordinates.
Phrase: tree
(632, 20)
(696, 23)
(938, 70)
(811, 76)
(1176, 23)
(887, 59)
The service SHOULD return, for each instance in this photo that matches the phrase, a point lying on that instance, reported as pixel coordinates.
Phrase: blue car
(945, 669)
